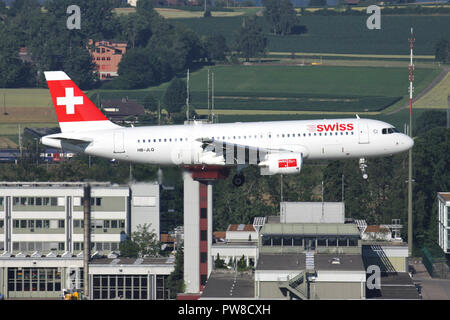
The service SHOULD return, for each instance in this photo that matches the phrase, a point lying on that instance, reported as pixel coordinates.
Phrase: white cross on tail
(69, 101)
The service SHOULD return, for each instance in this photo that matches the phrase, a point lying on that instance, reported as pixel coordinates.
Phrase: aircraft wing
(234, 153)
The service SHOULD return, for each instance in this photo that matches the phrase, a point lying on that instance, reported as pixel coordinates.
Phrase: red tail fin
(73, 108)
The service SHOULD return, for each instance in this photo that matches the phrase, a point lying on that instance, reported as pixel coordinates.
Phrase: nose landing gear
(362, 167)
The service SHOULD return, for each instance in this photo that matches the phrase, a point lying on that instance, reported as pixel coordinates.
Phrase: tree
(150, 103)
(281, 15)
(216, 47)
(242, 264)
(138, 69)
(428, 120)
(129, 249)
(146, 241)
(175, 96)
(442, 51)
(176, 46)
(13, 72)
(250, 40)
(175, 282)
(219, 263)
(136, 29)
(141, 243)
(144, 7)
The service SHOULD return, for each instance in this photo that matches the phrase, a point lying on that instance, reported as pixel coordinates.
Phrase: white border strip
(55, 75)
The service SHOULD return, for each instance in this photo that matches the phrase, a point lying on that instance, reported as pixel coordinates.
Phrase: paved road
(432, 289)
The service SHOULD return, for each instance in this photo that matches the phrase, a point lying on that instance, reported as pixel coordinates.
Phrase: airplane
(276, 147)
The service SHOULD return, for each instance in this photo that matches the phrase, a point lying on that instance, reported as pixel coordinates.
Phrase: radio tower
(410, 218)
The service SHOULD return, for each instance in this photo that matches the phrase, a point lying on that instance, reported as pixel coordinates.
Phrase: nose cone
(409, 143)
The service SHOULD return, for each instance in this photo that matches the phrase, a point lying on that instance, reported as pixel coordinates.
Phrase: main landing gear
(238, 179)
(362, 167)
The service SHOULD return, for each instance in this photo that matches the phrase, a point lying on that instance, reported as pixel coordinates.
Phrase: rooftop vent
(336, 261)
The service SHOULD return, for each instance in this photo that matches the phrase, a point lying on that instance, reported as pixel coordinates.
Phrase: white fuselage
(181, 145)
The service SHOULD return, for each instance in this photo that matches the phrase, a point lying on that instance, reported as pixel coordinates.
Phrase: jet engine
(281, 163)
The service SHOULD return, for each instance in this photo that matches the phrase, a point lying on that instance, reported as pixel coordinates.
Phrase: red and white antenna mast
(410, 217)
(411, 78)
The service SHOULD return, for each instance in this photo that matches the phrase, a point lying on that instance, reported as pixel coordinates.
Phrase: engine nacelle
(281, 163)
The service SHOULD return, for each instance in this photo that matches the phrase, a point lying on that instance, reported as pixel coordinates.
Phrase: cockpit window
(389, 130)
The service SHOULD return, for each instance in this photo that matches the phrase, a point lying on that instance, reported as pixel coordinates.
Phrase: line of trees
(281, 15)
(157, 51)
(442, 50)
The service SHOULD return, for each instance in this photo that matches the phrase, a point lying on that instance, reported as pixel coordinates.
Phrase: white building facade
(444, 220)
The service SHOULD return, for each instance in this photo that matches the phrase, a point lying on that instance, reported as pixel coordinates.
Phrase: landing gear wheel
(362, 167)
(238, 180)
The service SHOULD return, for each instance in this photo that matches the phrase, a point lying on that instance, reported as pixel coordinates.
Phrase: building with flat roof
(310, 276)
(383, 246)
(310, 261)
(443, 199)
(46, 277)
(42, 229)
(319, 237)
(48, 217)
(312, 212)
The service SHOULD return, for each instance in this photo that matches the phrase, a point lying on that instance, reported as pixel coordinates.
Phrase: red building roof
(241, 227)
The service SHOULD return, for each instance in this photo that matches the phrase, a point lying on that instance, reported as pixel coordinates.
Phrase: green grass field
(436, 98)
(296, 88)
(267, 92)
(341, 34)
(25, 97)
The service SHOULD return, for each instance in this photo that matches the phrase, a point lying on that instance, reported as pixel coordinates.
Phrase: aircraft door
(363, 132)
(119, 146)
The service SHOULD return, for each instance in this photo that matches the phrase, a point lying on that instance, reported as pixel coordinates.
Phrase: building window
(276, 241)
(266, 241)
(203, 279)
(203, 257)
(203, 213)
(203, 235)
(342, 242)
(162, 292)
(448, 216)
(35, 279)
(332, 242)
(298, 241)
(287, 241)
